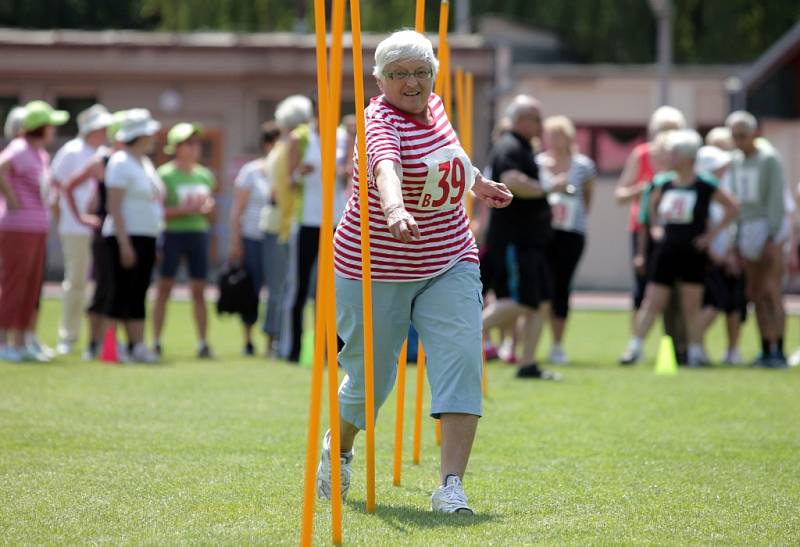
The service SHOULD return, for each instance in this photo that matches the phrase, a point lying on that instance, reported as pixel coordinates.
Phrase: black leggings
(565, 252)
(102, 275)
(129, 285)
(301, 266)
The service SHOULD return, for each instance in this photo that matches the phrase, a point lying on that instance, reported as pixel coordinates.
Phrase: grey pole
(663, 12)
(463, 16)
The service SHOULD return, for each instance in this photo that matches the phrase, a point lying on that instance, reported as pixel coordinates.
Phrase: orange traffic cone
(108, 353)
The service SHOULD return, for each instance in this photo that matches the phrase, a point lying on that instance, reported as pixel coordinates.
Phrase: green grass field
(212, 452)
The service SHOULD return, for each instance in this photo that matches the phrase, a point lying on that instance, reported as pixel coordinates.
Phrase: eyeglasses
(421, 74)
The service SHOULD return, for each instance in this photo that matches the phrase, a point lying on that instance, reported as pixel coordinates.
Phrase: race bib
(677, 206)
(191, 192)
(565, 211)
(747, 184)
(450, 176)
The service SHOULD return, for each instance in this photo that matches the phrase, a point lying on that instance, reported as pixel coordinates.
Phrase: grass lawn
(212, 452)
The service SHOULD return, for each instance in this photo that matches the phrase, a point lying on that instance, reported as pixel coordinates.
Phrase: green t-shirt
(182, 186)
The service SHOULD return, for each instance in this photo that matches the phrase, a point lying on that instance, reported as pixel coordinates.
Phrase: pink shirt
(435, 172)
(27, 173)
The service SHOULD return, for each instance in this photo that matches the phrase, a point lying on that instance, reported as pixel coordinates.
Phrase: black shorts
(524, 276)
(193, 246)
(673, 263)
(725, 292)
(129, 285)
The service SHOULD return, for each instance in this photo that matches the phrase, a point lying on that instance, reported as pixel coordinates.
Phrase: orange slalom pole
(419, 21)
(330, 116)
(444, 9)
(467, 142)
(398, 424)
(418, 409)
(323, 305)
(366, 270)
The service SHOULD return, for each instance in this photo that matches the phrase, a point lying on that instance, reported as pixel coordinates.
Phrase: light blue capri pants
(445, 311)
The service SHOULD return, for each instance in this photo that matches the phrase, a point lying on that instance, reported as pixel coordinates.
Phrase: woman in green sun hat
(24, 176)
(188, 206)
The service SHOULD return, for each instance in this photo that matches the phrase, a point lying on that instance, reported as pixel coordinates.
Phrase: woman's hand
(402, 224)
(235, 254)
(91, 221)
(702, 242)
(127, 256)
(639, 264)
(493, 194)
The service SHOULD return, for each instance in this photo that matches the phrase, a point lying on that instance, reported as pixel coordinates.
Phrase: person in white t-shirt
(135, 215)
(75, 236)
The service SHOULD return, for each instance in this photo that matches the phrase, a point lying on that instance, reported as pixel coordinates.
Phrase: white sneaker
(63, 348)
(450, 497)
(10, 354)
(142, 354)
(733, 357)
(633, 353)
(558, 356)
(123, 355)
(324, 470)
(30, 354)
(34, 346)
(794, 359)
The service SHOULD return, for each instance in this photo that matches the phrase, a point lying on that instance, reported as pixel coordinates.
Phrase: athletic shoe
(450, 497)
(324, 470)
(63, 348)
(532, 371)
(777, 361)
(34, 346)
(205, 352)
(506, 352)
(123, 355)
(630, 357)
(558, 356)
(30, 354)
(761, 361)
(10, 354)
(733, 357)
(143, 354)
(249, 350)
(157, 349)
(90, 354)
(490, 352)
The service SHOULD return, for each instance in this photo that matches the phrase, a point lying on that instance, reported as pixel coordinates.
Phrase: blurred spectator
(75, 236)
(519, 236)
(134, 198)
(189, 204)
(24, 225)
(637, 176)
(724, 286)
(570, 209)
(93, 219)
(277, 217)
(253, 192)
(681, 203)
(758, 182)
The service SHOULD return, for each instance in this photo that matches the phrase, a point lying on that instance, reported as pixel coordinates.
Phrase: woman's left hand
(493, 194)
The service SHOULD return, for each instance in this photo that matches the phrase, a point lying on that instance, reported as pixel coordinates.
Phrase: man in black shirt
(518, 236)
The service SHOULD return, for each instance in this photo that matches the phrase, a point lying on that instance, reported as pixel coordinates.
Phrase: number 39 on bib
(450, 176)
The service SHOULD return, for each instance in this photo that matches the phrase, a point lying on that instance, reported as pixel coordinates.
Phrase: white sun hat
(93, 118)
(711, 158)
(137, 122)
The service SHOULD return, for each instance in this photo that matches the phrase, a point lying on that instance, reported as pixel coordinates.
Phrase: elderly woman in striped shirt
(424, 262)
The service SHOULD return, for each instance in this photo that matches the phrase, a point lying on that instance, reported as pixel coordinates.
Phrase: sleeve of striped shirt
(383, 143)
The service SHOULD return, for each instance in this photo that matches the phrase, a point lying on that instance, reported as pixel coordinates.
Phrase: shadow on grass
(401, 517)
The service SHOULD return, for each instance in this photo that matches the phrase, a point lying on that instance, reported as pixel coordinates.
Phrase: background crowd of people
(712, 228)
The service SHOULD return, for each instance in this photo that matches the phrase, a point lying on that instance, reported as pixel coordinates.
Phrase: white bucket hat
(711, 158)
(93, 118)
(137, 123)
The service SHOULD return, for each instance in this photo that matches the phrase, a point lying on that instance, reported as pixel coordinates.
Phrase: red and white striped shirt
(445, 235)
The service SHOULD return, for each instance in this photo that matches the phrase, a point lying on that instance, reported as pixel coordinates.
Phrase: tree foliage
(623, 31)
